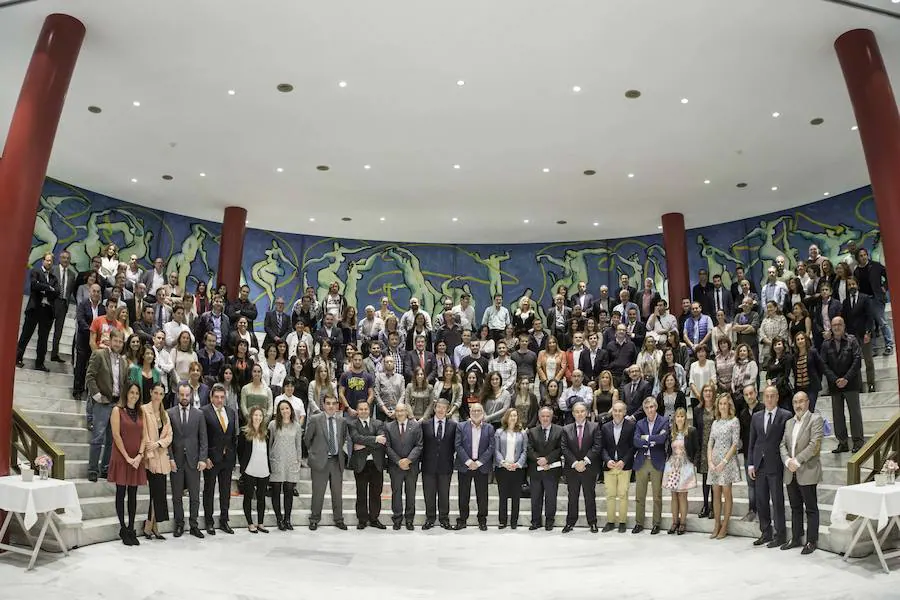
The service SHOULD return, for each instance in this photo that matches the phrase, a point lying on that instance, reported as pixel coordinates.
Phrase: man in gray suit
(404, 447)
(800, 448)
(326, 438)
(106, 377)
(187, 457)
(65, 286)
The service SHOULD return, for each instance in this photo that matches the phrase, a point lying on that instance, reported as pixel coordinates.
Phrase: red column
(22, 171)
(231, 249)
(879, 130)
(677, 272)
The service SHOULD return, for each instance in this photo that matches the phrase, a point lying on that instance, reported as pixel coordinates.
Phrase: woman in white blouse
(273, 372)
(253, 456)
(649, 356)
(773, 325)
(109, 263)
(721, 331)
(510, 452)
(298, 335)
(183, 355)
(702, 371)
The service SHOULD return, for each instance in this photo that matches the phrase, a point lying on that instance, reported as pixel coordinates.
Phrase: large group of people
(612, 388)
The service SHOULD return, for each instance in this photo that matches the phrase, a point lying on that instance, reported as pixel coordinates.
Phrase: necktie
(366, 426)
(440, 432)
(769, 424)
(402, 429)
(633, 387)
(184, 416)
(222, 420)
(330, 438)
(159, 319)
(422, 360)
(580, 433)
(63, 276)
(279, 320)
(546, 435)
(853, 301)
(718, 300)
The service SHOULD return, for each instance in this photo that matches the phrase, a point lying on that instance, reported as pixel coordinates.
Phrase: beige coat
(156, 457)
(809, 445)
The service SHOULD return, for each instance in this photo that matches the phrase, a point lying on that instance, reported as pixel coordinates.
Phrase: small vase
(891, 478)
(45, 473)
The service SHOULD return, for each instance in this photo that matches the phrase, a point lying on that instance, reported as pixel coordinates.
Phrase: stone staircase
(45, 398)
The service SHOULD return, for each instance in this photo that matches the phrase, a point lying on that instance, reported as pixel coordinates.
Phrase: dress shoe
(761, 540)
(809, 548)
(398, 526)
(594, 528)
(20, 364)
(608, 527)
(41, 368)
(548, 527)
(252, 529)
(134, 540)
(482, 526)
(775, 544)
(513, 525)
(226, 528)
(428, 525)
(534, 527)
(261, 529)
(446, 525)
(501, 526)
(195, 531)
(704, 512)
(178, 531)
(377, 524)
(568, 528)
(288, 525)
(313, 525)
(57, 358)
(637, 529)
(622, 528)
(104, 475)
(654, 530)
(871, 387)
(92, 477)
(341, 525)
(123, 535)
(841, 448)
(791, 544)
(856, 448)
(210, 530)
(360, 525)
(460, 525)
(410, 526)
(282, 526)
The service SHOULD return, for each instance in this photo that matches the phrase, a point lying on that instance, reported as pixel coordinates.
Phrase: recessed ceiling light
(561, 222)
(817, 121)
(168, 177)
(133, 180)
(231, 92)
(631, 176)
(706, 181)
(460, 83)
(312, 219)
(525, 221)
(455, 219)
(659, 226)
(576, 88)
(382, 219)
(684, 100)
(546, 169)
(776, 114)
(284, 88)
(854, 128)
(632, 94)
(342, 84)
(596, 224)
(323, 167)
(829, 193)
(741, 185)
(367, 167)
(456, 166)
(279, 170)
(136, 103)
(95, 109)
(202, 174)
(346, 218)
(590, 172)
(774, 188)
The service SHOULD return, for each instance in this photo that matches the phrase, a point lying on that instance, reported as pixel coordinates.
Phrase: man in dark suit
(766, 470)
(85, 313)
(650, 434)
(719, 298)
(625, 284)
(144, 327)
(188, 453)
(602, 303)
(474, 461)
(633, 393)
(153, 279)
(617, 454)
(702, 291)
(582, 298)
(859, 317)
(544, 468)
(736, 293)
(137, 303)
(367, 461)
(221, 435)
(622, 353)
(242, 307)
(438, 443)
(277, 324)
(106, 378)
(420, 357)
(403, 448)
(826, 307)
(637, 331)
(65, 288)
(39, 312)
(558, 316)
(872, 279)
(331, 332)
(326, 435)
(593, 359)
(581, 451)
(841, 357)
(215, 321)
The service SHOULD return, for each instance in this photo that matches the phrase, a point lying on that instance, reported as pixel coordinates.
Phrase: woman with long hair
(126, 466)
(273, 371)
(487, 345)
(745, 371)
(132, 350)
(199, 389)
(680, 352)
(799, 322)
(724, 365)
(670, 398)
(670, 364)
(525, 402)
(253, 456)
(680, 476)
(796, 295)
(449, 389)
(494, 398)
(773, 325)
(232, 389)
(84, 290)
(183, 355)
(281, 354)
(109, 262)
(326, 358)
(808, 369)
(348, 325)
(144, 373)
(722, 330)
(826, 277)
(551, 396)
(839, 281)
(605, 396)
(778, 372)
(285, 452)
(241, 363)
(523, 318)
(471, 394)
(649, 357)
(319, 387)
(551, 364)
(417, 395)
(124, 321)
(256, 394)
(158, 436)
(510, 454)
(721, 456)
(301, 363)
(419, 328)
(202, 303)
(704, 415)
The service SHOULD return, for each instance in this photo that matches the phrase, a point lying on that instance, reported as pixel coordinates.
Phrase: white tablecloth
(36, 497)
(867, 500)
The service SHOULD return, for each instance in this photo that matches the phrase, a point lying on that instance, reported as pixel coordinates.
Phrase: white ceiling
(402, 112)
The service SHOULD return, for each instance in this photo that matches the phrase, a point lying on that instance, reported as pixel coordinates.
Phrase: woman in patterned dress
(724, 443)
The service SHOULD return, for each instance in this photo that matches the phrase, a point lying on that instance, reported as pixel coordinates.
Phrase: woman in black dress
(778, 372)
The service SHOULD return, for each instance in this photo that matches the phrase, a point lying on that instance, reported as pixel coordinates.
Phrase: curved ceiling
(403, 113)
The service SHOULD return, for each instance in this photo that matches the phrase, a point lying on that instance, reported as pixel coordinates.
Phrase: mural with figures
(282, 264)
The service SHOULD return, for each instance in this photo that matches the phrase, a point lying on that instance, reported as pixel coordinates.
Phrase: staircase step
(43, 418)
(55, 367)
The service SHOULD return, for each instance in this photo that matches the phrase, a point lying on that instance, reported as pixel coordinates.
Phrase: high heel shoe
(673, 528)
(704, 512)
(157, 535)
(681, 529)
(148, 535)
(125, 536)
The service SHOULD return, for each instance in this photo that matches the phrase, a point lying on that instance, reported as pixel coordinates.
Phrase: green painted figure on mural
(267, 271)
(191, 247)
(329, 274)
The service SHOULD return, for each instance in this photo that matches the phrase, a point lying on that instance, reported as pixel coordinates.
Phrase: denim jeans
(101, 438)
(883, 326)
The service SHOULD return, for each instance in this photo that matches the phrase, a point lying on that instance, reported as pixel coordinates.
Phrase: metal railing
(29, 441)
(884, 445)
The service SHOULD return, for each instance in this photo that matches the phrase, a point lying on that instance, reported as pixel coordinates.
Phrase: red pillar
(879, 130)
(231, 249)
(677, 272)
(22, 171)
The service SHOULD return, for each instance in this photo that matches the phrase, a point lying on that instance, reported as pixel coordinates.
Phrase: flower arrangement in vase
(44, 464)
(890, 469)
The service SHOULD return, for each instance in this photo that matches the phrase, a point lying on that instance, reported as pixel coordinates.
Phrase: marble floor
(437, 564)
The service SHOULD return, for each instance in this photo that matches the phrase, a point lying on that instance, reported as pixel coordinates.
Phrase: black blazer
(358, 436)
(727, 303)
(235, 337)
(680, 402)
(834, 310)
(222, 444)
(638, 333)
(592, 370)
(43, 286)
(635, 401)
(861, 318)
(273, 330)
(632, 294)
(84, 316)
(204, 324)
(765, 448)
(872, 279)
(815, 368)
(411, 362)
(550, 449)
(692, 445)
(624, 450)
(438, 455)
(551, 321)
(245, 450)
(590, 445)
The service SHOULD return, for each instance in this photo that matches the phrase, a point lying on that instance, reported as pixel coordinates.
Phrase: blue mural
(283, 264)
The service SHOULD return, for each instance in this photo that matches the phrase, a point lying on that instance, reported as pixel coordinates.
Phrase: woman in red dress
(126, 468)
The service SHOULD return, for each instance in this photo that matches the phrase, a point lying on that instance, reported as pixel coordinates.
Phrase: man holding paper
(544, 466)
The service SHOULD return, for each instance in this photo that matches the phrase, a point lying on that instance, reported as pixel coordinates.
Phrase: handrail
(884, 445)
(28, 439)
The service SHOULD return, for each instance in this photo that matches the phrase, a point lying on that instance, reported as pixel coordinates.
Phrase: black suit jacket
(765, 447)
(411, 362)
(43, 286)
(638, 333)
(133, 313)
(834, 309)
(872, 280)
(222, 444)
(727, 303)
(204, 324)
(84, 316)
(632, 295)
(273, 330)
(590, 445)
(438, 455)
(550, 449)
(551, 321)
(592, 370)
(624, 450)
(575, 300)
(635, 401)
(860, 319)
(359, 436)
(737, 294)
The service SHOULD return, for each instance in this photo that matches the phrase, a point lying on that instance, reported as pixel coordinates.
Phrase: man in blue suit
(581, 451)
(474, 461)
(649, 462)
(438, 442)
(766, 470)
